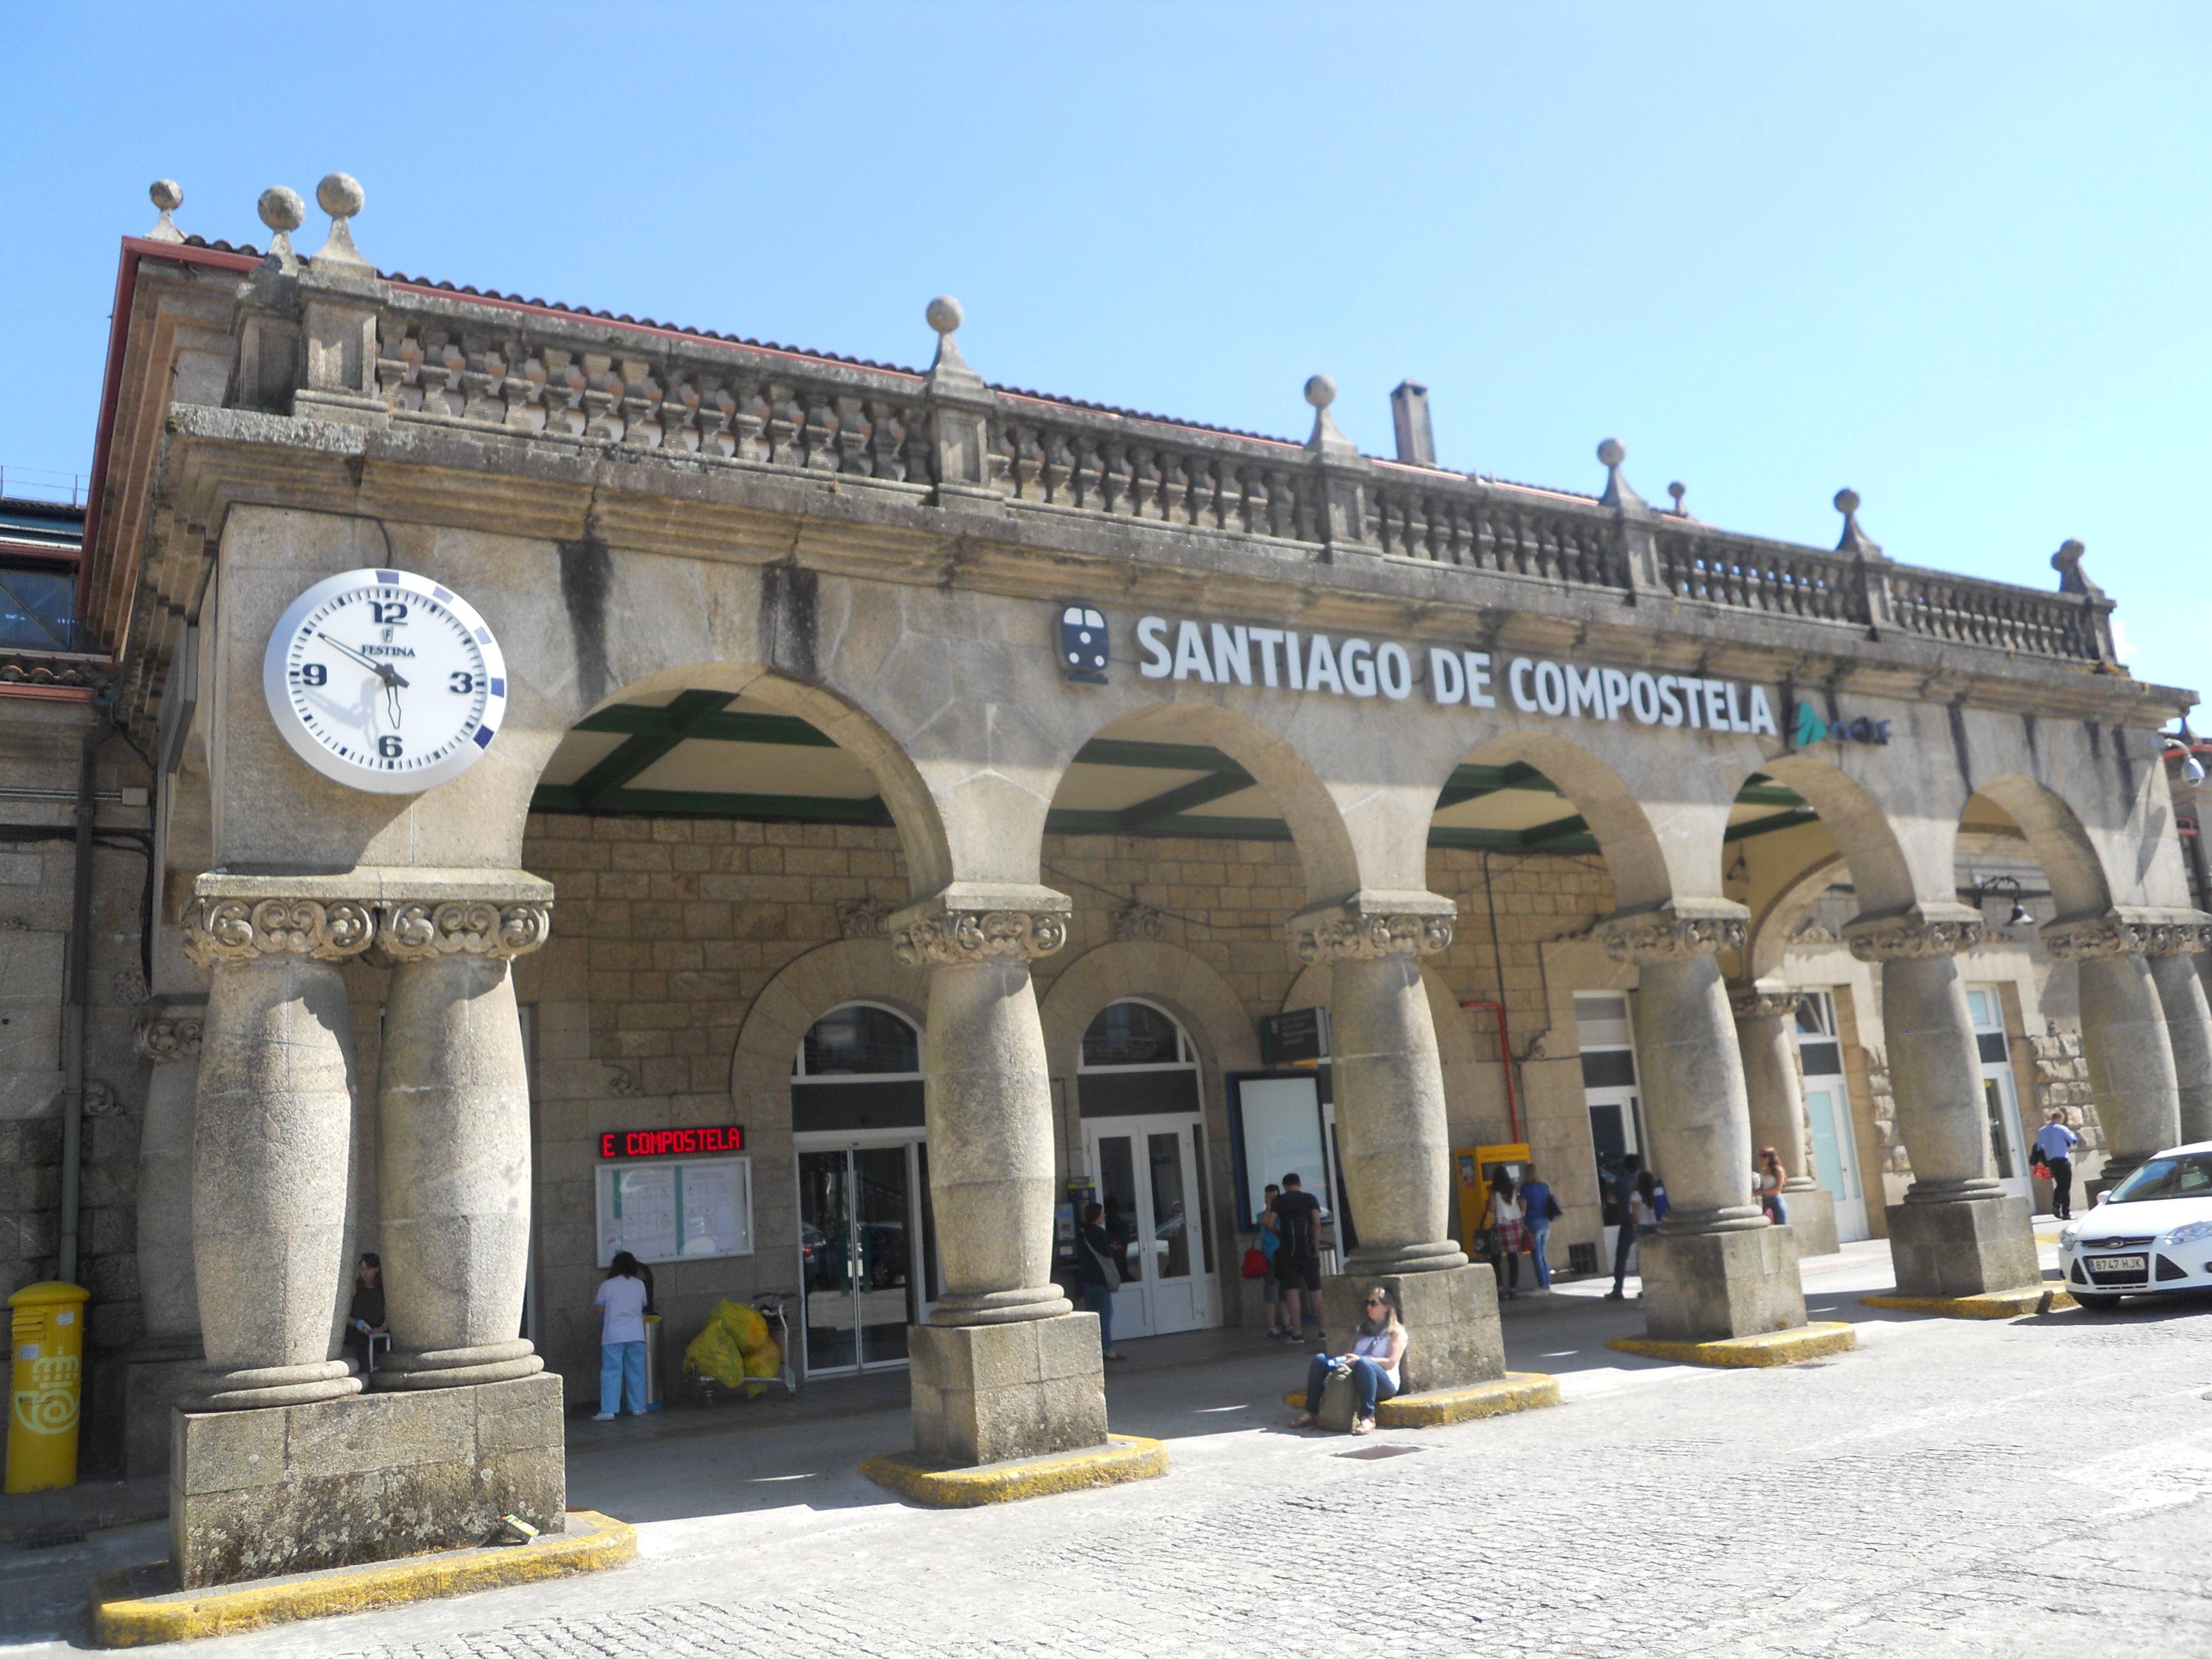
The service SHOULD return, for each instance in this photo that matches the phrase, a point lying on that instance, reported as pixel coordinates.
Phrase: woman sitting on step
(1377, 1349)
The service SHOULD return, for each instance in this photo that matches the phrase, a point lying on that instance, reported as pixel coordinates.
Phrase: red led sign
(671, 1143)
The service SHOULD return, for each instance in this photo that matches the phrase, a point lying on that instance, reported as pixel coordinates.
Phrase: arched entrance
(1144, 1140)
(867, 1256)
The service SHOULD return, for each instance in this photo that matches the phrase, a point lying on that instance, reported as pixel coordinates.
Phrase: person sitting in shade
(1377, 1351)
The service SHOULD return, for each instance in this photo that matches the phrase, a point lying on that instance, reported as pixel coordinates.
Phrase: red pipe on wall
(1505, 1054)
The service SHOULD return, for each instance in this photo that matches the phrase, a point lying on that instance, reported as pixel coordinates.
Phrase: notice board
(676, 1209)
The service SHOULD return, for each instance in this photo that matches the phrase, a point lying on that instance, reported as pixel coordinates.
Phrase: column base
(1970, 1248)
(159, 1372)
(1712, 1287)
(1812, 1219)
(457, 1368)
(1454, 1339)
(989, 1393)
(335, 1483)
(270, 1386)
(1122, 1458)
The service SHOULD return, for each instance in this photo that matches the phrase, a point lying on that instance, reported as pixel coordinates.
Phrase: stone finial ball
(340, 195)
(166, 194)
(281, 209)
(1320, 392)
(945, 313)
(1847, 500)
(1612, 452)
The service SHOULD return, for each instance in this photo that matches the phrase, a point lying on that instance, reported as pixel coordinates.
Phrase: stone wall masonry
(666, 931)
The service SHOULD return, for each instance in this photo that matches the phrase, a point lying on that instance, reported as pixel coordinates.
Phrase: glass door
(2008, 1147)
(860, 1217)
(1148, 1171)
(1828, 1113)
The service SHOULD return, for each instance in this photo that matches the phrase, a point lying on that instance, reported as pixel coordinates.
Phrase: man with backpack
(1540, 1209)
(1297, 1254)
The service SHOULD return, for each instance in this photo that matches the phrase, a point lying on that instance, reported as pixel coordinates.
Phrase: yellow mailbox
(46, 1394)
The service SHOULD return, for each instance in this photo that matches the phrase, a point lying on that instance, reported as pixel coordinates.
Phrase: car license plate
(2119, 1264)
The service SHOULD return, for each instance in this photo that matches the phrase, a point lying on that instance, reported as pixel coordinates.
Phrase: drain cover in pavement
(1368, 1453)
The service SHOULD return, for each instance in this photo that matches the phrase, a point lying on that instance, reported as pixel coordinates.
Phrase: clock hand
(383, 671)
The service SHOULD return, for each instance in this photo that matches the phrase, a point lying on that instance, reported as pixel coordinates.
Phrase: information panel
(1280, 1131)
(682, 1210)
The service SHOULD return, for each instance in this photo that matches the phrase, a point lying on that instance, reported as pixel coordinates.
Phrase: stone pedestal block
(363, 1478)
(1453, 1337)
(1708, 1287)
(1812, 1210)
(983, 1393)
(160, 1372)
(1963, 1248)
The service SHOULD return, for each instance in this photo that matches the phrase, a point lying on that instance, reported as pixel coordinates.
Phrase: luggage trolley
(770, 1306)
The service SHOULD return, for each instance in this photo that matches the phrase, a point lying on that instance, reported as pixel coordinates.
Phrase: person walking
(1298, 1256)
(1539, 1210)
(1771, 1177)
(1271, 1245)
(1623, 1199)
(1378, 1348)
(2054, 1145)
(1098, 1274)
(1506, 1222)
(365, 1314)
(621, 1302)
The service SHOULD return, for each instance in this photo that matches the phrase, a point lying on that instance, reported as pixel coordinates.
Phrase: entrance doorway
(1144, 1144)
(1611, 1093)
(2008, 1147)
(867, 1266)
(1828, 1111)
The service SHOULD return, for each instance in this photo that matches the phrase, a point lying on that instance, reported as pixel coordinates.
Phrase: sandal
(1302, 1420)
(1363, 1425)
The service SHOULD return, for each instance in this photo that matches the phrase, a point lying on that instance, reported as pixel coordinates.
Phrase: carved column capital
(1924, 930)
(421, 930)
(166, 1032)
(1674, 932)
(864, 918)
(976, 922)
(1369, 925)
(2125, 931)
(219, 930)
(1767, 999)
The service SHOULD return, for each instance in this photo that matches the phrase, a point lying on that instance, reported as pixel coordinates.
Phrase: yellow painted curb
(1438, 1408)
(1772, 1348)
(1995, 1305)
(129, 1610)
(1124, 1457)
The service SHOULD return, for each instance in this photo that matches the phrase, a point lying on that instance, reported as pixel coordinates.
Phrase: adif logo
(1083, 651)
(1810, 729)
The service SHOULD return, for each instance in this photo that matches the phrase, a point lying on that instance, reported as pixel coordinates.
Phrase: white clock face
(384, 681)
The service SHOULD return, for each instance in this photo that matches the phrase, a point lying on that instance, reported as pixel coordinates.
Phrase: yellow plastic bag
(715, 1353)
(765, 1360)
(745, 1326)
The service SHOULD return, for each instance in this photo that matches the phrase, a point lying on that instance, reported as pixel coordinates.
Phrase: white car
(2152, 1233)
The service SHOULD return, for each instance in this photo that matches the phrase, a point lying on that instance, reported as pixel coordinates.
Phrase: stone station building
(910, 796)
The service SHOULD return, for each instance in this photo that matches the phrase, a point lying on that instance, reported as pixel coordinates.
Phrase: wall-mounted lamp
(2004, 887)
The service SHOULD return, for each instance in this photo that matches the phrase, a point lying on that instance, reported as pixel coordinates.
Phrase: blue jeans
(622, 1371)
(1100, 1301)
(1540, 1235)
(1369, 1384)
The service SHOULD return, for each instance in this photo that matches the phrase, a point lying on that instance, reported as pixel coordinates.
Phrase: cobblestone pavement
(1953, 1488)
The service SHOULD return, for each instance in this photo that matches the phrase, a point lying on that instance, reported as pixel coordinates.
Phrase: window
(1134, 1034)
(859, 1040)
(38, 608)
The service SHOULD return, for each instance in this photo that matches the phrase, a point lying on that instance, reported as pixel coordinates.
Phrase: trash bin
(47, 1392)
(652, 1398)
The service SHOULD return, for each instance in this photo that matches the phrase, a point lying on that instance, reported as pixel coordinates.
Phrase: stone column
(2123, 1036)
(2173, 953)
(1394, 1142)
(1766, 1029)
(1956, 1234)
(272, 1141)
(1717, 1269)
(166, 1360)
(1005, 1368)
(454, 1129)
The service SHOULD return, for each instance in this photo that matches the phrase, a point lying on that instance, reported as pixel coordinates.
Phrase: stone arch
(1317, 818)
(1627, 838)
(807, 987)
(1861, 828)
(916, 811)
(2079, 884)
(1772, 922)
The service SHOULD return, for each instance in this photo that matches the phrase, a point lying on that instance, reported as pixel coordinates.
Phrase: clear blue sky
(1955, 256)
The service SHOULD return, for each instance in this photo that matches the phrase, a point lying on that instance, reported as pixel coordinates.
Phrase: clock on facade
(384, 681)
